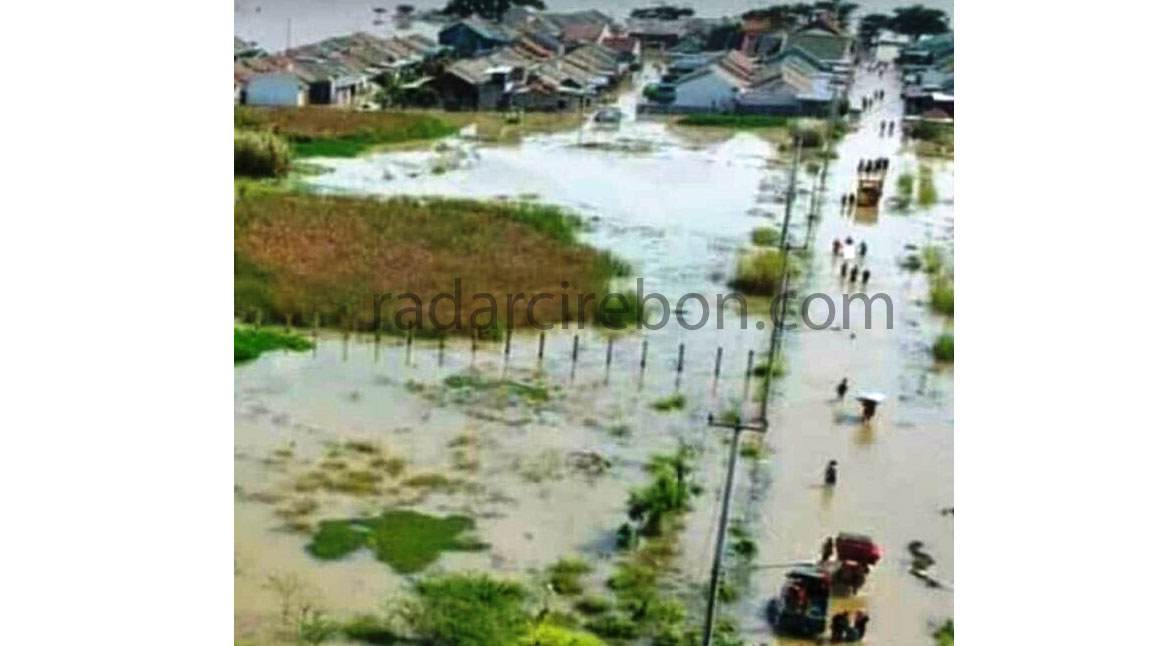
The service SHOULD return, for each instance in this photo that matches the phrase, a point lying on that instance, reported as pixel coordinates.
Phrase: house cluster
(533, 60)
(529, 60)
(336, 71)
(767, 69)
(928, 77)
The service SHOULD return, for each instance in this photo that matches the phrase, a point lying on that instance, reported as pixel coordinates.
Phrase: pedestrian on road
(865, 278)
(862, 249)
(827, 548)
(851, 200)
(861, 165)
(854, 275)
(843, 201)
(845, 265)
(843, 386)
(837, 246)
(861, 620)
(882, 129)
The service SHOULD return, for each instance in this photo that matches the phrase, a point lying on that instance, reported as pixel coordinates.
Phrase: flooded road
(679, 208)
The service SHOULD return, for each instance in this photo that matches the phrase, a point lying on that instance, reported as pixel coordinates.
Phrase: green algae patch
(408, 541)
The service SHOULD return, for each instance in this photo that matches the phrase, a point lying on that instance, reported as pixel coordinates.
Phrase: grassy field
(298, 255)
(324, 132)
(342, 133)
(406, 540)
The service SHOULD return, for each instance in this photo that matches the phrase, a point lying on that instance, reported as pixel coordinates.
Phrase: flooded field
(544, 467)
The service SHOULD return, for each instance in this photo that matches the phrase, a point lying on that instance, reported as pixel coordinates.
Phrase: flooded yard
(544, 466)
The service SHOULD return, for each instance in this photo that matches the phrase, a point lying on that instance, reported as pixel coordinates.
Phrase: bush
(592, 605)
(927, 192)
(674, 402)
(261, 154)
(765, 236)
(548, 634)
(737, 121)
(760, 272)
(369, 629)
(614, 626)
(468, 610)
(942, 295)
(944, 348)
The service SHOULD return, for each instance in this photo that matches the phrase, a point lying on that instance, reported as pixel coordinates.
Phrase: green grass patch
(406, 540)
(250, 343)
(674, 402)
(933, 259)
(765, 236)
(549, 634)
(369, 629)
(565, 576)
(592, 606)
(468, 610)
(943, 348)
(735, 121)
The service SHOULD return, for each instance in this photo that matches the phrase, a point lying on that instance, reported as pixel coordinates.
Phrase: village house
(715, 86)
(474, 36)
(788, 86)
(279, 89)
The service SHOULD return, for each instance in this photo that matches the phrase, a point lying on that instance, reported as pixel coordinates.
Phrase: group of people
(842, 631)
(887, 128)
(867, 166)
(848, 252)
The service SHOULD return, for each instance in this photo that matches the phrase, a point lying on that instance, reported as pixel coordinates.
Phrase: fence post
(609, 350)
(574, 351)
(718, 363)
(542, 344)
(681, 353)
(442, 343)
(642, 361)
(750, 364)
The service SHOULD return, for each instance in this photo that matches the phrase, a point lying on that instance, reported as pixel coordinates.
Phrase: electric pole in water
(761, 424)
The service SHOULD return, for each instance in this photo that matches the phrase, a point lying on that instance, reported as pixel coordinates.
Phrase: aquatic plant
(550, 634)
(943, 348)
(933, 259)
(406, 540)
(614, 626)
(620, 313)
(467, 610)
(261, 154)
(674, 402)
(668, 493)
(369, 629)
(776, 368)
(250, 343)
(564, 576)
(906, 187)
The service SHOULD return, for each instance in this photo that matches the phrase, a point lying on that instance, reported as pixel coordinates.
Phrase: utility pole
(760, 425)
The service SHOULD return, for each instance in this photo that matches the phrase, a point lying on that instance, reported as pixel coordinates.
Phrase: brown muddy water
(679, 210)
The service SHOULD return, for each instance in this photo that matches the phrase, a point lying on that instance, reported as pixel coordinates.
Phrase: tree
(917, 21)
(489, 9)
(841, 10)
(870, 26)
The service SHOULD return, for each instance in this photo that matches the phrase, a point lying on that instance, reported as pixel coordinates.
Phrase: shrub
(942, 295)
(668, 493)
(906, 187)
(760, 272)
(944, 348)
(369, 629)
(765, 236)
(927, 192)
(261, 154)
(737, 121)
(548, 634)
(406, 540)
(468, 610)
(614, 626)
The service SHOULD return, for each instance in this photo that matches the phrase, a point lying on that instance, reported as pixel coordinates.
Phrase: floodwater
(679, 208)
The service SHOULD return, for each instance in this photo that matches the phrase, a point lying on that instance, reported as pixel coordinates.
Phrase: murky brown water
(678, 210)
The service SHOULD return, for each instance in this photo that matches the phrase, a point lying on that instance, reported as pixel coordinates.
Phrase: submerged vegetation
(406, 540)
(944, 636)
(674, 402)
(250, 343)
(329, 260)
(565, 576)
(342, 133)
(931, 138)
